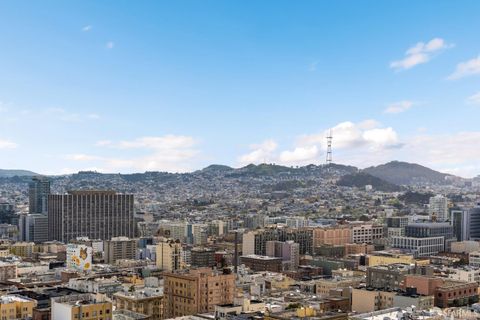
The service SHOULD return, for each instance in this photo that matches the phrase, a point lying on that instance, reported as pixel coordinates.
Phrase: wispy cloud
(260, 153)
(165, 153)
(474, 99)
(399, 107)
(110, 45)
(465, 69)
(103, 143)
(67, 116)
(87, 28)
(420, 53)
(7, 144)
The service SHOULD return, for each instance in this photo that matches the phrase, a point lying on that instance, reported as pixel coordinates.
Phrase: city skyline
(167, 87)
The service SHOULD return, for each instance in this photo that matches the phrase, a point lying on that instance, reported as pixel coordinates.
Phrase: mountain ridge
(394, 172)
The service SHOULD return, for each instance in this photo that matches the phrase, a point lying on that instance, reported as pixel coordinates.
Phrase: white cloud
(474, 99)
(3, 107)
(455, 153)
(161, 143)
(420, 53)
(103, 143)
(349, 138)
(93, 116)
(300, 156)
(164, 153)
(81, 157)
(467, 68)
(398, 107)
(351, 135)
(63, 114)
(110, 45)
(261, 153)
(87, 28)
(7, 144)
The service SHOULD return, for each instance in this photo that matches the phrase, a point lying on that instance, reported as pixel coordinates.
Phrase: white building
(465, 246)
(465, 274)
(420, 247)
(474, 259)
(438, 207)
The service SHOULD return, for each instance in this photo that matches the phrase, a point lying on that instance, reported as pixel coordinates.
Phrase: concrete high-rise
(169, 255)
(460, 219)
(438, 208)
(93, 214)
(120, 248)
(475, 222)
(38, 192)
(33, 227)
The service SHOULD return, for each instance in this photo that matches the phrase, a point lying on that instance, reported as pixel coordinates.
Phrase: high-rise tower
(38, 191)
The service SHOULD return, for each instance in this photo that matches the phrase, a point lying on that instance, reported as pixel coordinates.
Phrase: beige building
(16, 307)
(169, 255)
(120, 248)
(386, 258)
(197, 291)
(146, 302)
(364, 300)
(23, 249)
(336, 236)
(367, 233)
(82, 306)
(324, 286)
(7, 271)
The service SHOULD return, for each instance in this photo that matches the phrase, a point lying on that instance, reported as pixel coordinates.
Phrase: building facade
(197, 291)
(170, 255)
(93, 214)
(38, 192)
(120, 248)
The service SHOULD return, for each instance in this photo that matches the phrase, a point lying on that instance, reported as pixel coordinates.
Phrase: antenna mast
(329, 147)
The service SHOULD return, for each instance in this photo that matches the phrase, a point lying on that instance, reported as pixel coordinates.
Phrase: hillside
(6, 173)
(404, 173)
(361, 179)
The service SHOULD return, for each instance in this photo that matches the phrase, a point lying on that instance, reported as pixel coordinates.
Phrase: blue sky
(129, 86)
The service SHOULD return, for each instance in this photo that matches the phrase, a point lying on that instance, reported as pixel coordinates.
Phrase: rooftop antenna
(329, 147)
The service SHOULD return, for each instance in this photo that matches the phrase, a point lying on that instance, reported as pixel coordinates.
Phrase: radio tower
(329, 147)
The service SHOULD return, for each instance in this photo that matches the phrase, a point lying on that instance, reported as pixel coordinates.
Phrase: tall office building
(438, 208)
(93, 214)
(7, 213)
(38, 192)
(475, 222)
(33, 227)
(170, 255)
(460, 219)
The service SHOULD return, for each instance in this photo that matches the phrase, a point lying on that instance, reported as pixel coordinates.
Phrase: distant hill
(263, 169)
(217, 168)
(6, 173)
(404, 173)
(361, 179)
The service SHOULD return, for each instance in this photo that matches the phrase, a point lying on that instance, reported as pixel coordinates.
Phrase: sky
(134, 86)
